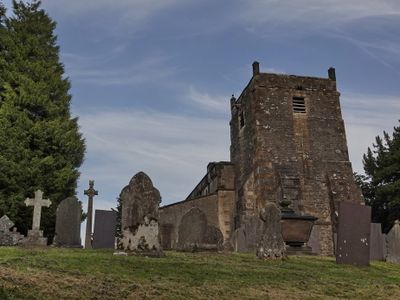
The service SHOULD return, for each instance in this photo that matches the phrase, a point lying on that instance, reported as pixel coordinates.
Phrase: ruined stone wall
(292, 145)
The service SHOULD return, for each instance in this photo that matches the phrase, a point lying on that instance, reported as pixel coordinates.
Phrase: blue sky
(151, 79)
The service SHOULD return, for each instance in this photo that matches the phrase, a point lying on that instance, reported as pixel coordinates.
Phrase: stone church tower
(288, 141)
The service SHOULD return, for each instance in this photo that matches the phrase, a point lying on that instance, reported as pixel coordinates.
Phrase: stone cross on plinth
(90, 192)
(37, 204)
(35, 236)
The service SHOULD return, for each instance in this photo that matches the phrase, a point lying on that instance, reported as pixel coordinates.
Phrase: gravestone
(35, 235)
(377, 243)
(7, 237)
(314, 241)
(166, 234)
(246, 238)
(105, 223)
(271, 244)
(68, 223)
(393, 244)
(353, 237)
(194, 233)
(90, 192)
(140, 201)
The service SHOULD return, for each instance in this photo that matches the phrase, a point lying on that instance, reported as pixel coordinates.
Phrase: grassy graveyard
(92, 274)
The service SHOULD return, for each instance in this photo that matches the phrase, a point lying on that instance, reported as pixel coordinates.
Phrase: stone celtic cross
(37, 204)
(90, 192)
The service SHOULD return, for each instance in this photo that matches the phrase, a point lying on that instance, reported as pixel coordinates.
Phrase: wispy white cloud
(174, 150)
(367, 116)
(125, 11)
(97, 71)
(214, 103)
(320, 14)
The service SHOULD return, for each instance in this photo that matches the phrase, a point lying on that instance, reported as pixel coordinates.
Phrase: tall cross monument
(90, 192)
(35, 235)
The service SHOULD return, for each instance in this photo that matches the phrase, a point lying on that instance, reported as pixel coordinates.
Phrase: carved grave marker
(35, 235)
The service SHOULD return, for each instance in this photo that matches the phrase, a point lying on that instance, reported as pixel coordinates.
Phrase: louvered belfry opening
(299, 105)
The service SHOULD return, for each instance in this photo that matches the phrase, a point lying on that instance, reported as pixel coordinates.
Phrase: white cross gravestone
(35, 236)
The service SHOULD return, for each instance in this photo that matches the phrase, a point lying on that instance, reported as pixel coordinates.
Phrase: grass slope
(90, 274)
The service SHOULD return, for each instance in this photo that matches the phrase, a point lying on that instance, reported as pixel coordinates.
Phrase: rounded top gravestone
(139, 216)
(68, 223)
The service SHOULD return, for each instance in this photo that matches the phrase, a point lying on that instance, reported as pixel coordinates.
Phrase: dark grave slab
(353, 237)
(105, 222)
(68, 223)
(393, 244)
(166, 233)
(377, 243)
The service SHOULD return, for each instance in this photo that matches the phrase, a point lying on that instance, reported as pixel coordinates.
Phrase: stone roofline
(197, 198)
(330, 81)
(210, 167)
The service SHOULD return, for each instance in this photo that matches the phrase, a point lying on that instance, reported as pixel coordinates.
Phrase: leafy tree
(381, 184)
(40, 143)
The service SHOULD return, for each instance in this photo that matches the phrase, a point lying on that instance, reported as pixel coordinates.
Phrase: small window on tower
(241, 119)
(299, 105)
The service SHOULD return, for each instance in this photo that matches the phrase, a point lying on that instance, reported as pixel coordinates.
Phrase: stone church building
(288, 142)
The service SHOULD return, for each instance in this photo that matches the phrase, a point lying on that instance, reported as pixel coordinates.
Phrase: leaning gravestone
(377, 243)
(105, 223)
(139, 217)
(271, 244)
(68, 223)
(35, 235)
(194, 233)
(7, 237)
(393, 244)
(353, 236)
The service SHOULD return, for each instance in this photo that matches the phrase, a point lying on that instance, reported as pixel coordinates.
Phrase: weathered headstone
(247, 237)
(377, 243)
(35, 235)
(68, 223)
(194, 233)
(90, 192)
(7, 237)
(271, 244)
(314, 241)
(105, 223)
(393, 244)
(140, 201)
(353, 238)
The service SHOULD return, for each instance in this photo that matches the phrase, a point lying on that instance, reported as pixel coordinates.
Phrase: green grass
(90, 274)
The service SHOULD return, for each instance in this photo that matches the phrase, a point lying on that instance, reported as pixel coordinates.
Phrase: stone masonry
(288, 141)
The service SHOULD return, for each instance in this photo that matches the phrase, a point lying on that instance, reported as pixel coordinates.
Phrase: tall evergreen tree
(381, 184)
(40, 143)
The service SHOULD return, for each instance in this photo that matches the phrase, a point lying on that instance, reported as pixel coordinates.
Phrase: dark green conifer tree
(381, 184)
(40, 143)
